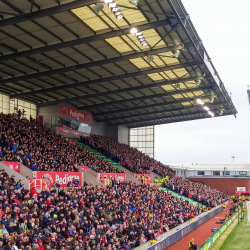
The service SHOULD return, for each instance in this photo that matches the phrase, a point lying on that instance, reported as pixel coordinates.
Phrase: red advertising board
(71, 132)
(138, 177)
(83, 168)
(13, 165)
(118, 177)
(75, 114)
(62, 177)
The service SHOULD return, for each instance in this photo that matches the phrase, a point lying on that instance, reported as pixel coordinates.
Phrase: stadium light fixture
(200, 101)
(133, 30)
(177, 85)
(212, 96)
(221, 111)
(176, 53)
(99, 7)
(198, 82)
(107, 1)
(206, 108)
(134, 2)
(211, 113)
(150, 58)
(112, 5)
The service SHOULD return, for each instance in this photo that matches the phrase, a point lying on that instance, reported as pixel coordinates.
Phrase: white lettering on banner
(76, 114)
(67, 178)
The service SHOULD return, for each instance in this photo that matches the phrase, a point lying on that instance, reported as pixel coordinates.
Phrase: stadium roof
(54, 51)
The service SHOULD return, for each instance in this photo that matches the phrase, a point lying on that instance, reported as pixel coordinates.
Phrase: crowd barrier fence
(169, 238)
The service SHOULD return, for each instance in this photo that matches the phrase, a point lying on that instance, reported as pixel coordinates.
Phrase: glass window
(242, 172)
(201, 173)
(4, 104)
(226, 172)
(216, 172)
(143, 139)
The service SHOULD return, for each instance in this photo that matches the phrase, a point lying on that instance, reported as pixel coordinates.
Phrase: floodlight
(112, 5)
(138, 34)
(150, 58)
(144, 43)
(133, 30)
(200, 101)
(206, 108)
(115, 9)
(221, 111)
(117, 13)
(211, 113)
(198, 82)
(98, 8)
(119, 17)
(134, 2)
(108, 1)
(176, 53)
(177, 85)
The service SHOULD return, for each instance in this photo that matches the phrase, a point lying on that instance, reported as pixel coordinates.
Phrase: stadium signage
(13, 165)
(75, 114)
(71, 132)
(117, 177)
(62, 177)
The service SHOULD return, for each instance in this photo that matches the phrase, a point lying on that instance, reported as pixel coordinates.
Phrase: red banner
(138, 177)
(117, 177)
(13, 165)
(71, 132)
(75, 114)
(83, 167)
(62, 177)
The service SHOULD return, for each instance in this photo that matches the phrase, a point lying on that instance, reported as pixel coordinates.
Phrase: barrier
(169, 238)
(115, 176)
(211, 240)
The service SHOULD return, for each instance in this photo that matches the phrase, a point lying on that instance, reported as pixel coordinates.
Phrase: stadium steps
(195, 203)
(129, 175)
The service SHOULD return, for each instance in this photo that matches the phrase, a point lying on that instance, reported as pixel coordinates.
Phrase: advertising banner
(138, 177)
(117, 177)
(13, 165)
(75, 114)
(62, 177)
(71, 132)
(83, 168)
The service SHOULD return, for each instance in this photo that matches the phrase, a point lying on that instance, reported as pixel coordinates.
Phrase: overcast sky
(223, 26)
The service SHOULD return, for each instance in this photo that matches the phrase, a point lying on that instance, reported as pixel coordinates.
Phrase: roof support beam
(154, 112)
(160, 117)
(150, 122)
(87, 65)
(45, 12)
(106, 79)
(81, 41)
(118, 111)
(147, 97)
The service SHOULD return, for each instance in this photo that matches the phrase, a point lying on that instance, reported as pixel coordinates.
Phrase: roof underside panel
(68, 53)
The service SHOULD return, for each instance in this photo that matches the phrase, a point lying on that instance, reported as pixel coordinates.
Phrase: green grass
(239, 238)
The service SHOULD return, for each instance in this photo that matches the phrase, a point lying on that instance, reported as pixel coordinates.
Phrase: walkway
(201, 234)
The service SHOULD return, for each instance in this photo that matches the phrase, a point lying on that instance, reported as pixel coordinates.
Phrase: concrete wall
(226, 185)
(17, 177)
(26, 171)
(123, 134)
(100, 128)
(47, 112)
(89, 178)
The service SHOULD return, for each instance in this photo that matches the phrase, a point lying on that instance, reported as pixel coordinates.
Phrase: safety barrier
(169, 238)
(211, 240)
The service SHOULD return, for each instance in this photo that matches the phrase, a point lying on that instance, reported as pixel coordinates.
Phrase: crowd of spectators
(129, 157)
(40, 149)
(119, 216)
(196, 191)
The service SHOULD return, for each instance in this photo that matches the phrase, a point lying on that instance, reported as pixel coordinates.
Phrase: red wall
(226, 185)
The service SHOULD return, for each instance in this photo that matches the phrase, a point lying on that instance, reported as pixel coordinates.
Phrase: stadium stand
(40, 149)
(112, 217)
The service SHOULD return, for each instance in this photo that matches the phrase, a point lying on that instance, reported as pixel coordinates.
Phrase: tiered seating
(41, 150)
(119, 216)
